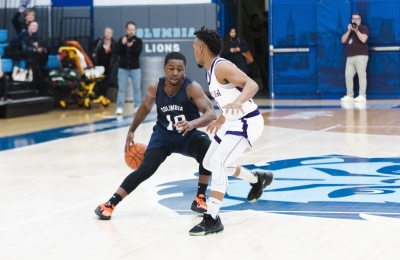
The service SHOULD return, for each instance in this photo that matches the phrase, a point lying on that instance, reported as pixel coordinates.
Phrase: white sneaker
(360, 99)
(119, 111)
(135, 110)
(347, 99)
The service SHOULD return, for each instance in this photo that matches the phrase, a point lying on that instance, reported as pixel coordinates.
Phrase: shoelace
(107, 207)
(200, 200)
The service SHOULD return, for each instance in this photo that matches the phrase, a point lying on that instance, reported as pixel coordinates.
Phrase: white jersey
(227, 93)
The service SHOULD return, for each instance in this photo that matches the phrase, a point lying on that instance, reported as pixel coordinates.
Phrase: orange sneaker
(199, 204)
(104, 211)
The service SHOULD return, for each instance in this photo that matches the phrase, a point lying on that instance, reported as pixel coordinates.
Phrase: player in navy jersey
(178, 101)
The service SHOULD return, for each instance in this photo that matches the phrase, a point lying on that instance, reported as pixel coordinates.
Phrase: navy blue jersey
(175, 108)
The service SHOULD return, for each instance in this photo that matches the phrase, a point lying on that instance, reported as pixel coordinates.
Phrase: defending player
(235, 130)
(178, 101)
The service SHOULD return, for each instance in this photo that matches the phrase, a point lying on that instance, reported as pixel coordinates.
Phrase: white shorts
(250, 128)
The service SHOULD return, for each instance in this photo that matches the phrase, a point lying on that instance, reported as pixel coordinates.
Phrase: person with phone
(128, 49)
(357, 58)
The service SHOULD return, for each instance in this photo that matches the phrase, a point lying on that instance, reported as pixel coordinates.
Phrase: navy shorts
(175, 142)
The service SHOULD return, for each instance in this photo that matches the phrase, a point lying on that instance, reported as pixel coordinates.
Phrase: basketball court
(335, 193)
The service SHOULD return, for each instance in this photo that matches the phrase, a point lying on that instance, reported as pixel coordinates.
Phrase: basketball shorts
(250, 127)
(175, 142)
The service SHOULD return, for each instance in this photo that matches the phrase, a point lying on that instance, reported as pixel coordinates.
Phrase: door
(293, 54)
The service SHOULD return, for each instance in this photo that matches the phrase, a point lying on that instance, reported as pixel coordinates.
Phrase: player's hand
(124, 40)
(184, 126)
(233, 108)
(129, 141)
(349, 28)
(213, 127)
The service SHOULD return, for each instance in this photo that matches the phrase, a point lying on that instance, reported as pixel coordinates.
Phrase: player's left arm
(226, 73)
(196, 94)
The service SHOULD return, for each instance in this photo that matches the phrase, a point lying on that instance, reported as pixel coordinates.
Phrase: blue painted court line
(16, 141)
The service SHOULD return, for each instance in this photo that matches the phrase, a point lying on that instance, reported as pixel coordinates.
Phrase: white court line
(370, 126)
(293, 139)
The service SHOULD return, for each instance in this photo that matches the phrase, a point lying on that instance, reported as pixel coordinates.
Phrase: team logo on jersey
(331, 186)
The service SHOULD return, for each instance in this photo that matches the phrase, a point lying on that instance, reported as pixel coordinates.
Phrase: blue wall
(319, 26)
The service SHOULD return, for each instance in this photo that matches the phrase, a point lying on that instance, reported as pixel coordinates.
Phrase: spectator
(357, 51)
(26, 46)
(257, 39)
(20, 25)
(234, 45)
(129, 49)
(104, 55)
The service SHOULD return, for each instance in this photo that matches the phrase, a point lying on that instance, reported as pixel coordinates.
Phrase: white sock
(247, 175)
(213, 207)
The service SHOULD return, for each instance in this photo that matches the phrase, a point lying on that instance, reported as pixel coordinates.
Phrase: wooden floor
(335, 193)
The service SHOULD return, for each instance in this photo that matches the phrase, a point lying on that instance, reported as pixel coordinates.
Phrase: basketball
(135, 155)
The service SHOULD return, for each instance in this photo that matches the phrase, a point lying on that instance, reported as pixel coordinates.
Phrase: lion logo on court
(330, 186)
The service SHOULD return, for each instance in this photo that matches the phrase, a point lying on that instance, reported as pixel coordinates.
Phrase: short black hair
(175, 56)
(356, 13)
(211, 38)
(128, 23)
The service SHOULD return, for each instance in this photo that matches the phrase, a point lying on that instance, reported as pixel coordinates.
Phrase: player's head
(207, 43)
(175, 68)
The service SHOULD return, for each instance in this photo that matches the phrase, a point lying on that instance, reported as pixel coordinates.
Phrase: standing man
(129, 49)
(357, 50)
(178, 101)
(257, 38)
(236, 129)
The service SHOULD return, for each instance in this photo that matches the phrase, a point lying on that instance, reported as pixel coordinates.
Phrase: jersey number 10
(176, 119)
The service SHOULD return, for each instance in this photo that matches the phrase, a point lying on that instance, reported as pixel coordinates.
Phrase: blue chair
(3, 35)
(52, 62)
(7, 65)
(2, 47)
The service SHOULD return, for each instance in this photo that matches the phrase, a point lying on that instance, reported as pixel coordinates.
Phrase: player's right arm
(141, 114)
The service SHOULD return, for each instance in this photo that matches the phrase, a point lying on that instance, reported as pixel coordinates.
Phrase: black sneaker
(264, 179)
(199, 204)
(207, 226)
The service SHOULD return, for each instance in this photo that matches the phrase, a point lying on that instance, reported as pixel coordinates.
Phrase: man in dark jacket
(129, 49)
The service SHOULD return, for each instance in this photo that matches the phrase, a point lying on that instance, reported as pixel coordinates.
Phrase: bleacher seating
(25, 97)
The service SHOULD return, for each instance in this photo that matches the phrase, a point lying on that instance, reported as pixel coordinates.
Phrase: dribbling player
(235, 130)
(178, 101)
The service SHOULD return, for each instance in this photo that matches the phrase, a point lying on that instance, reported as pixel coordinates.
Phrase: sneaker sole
(260, 193)
(207, 233)
(101, 216)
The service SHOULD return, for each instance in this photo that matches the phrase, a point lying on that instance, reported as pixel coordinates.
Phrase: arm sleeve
(120, 47)
(15, 21)
(226, 51)
(137, 47)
